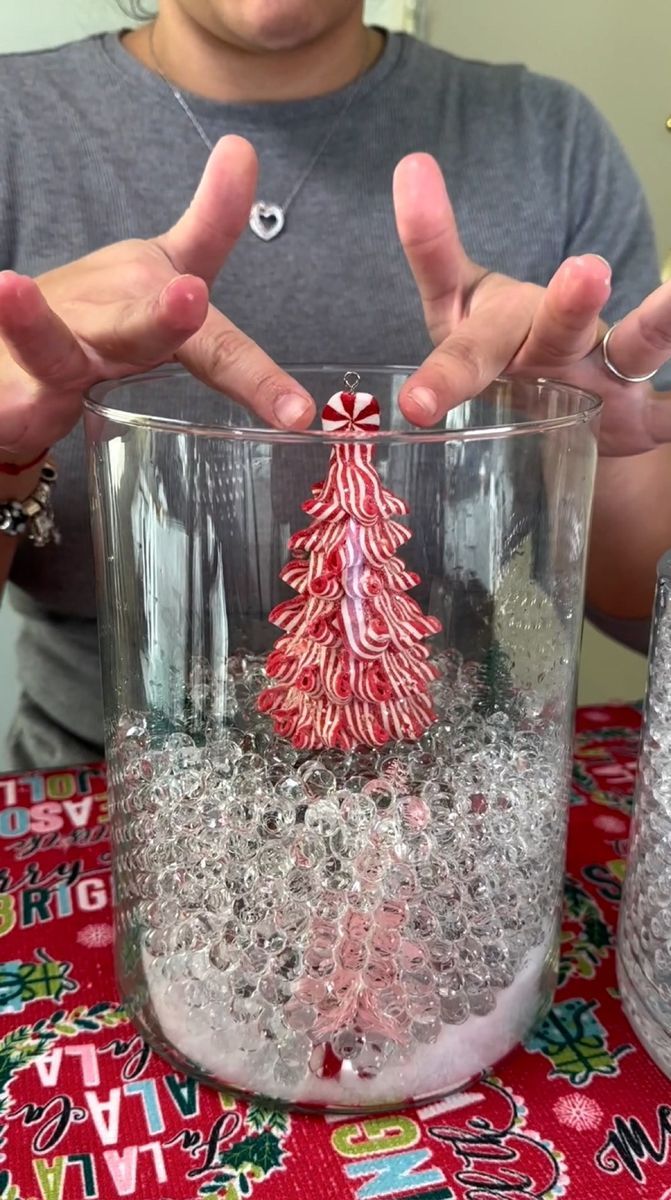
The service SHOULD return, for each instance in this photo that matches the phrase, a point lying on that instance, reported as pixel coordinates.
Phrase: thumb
(443, 272)
(202, 239)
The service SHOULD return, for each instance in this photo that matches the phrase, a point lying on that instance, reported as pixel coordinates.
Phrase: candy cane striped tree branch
(351, 668)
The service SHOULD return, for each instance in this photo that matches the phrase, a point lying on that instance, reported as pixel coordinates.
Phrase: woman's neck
(194, 59)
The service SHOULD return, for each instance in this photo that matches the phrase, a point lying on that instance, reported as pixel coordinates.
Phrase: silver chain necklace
(265, 220)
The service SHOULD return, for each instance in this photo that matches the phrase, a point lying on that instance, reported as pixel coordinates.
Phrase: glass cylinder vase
(339, 712)
(644, 928)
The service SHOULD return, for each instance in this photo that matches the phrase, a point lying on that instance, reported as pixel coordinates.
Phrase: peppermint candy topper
(351, 412)
(351, 669)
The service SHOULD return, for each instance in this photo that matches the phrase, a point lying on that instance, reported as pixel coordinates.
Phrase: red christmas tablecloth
(88, 1112)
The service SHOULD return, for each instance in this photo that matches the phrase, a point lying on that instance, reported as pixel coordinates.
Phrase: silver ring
(609, 364)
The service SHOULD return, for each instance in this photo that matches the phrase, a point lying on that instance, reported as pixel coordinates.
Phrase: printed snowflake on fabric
(95, 936)
(609, 824)
(578, 1112)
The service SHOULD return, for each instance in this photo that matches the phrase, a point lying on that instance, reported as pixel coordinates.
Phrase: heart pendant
(266, 220)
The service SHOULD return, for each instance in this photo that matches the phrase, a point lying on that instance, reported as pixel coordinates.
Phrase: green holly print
(584, 948)
(42, 979)
(262, 1115)
(581, 782)
(8, 1191)
(576, 1043)
(252, 1159)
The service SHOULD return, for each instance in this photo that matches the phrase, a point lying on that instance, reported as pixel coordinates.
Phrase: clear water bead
(323, 817)
(347, 1044)
(277, 819)
(318, 781)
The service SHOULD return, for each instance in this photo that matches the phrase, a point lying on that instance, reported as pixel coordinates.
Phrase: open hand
(484, 324)
(133, 306)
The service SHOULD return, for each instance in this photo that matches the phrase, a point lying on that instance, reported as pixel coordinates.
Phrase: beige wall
(619, 53)
(32, 24)
(608, 671)
(616, 51)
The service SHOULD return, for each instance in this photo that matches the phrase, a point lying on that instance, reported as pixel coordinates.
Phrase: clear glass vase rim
(588, 407)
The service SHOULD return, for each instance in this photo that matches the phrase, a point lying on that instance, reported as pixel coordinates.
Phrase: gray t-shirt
(94, 148)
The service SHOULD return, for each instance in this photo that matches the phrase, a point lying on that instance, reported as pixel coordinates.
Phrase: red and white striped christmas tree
(351, 668)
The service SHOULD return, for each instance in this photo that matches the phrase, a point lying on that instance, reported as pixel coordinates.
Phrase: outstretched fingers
(36, 338)
(203, 237)
(468, 359)
(226, 359)
(442, 270)
(642, 341)
(566, 324)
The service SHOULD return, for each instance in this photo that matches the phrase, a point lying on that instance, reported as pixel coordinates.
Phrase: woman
(102, 141)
